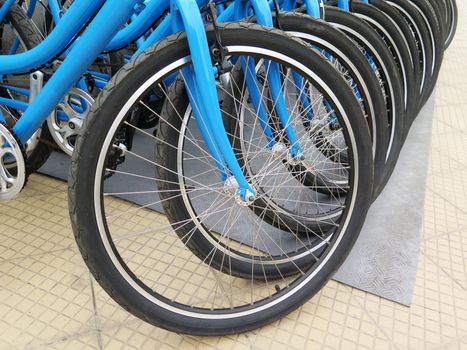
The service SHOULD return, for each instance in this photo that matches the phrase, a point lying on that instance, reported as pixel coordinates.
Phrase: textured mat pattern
(384, 258)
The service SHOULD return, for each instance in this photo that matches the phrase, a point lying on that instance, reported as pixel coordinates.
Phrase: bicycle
(375, 144)
(404, 49)
(96, 37)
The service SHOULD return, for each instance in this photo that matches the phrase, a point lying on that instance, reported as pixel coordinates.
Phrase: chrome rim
(122, 244)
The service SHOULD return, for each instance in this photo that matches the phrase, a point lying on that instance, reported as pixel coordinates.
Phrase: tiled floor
(48, 300)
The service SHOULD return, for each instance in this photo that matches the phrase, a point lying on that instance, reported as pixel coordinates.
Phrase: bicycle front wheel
(185, 272)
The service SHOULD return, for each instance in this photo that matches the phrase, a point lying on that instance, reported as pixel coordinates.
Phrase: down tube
(102, 29)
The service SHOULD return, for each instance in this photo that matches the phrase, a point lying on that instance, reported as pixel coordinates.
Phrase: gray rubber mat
(384, 259)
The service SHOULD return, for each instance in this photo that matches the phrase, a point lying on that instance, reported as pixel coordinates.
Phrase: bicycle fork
(201, 86)
(273, 74)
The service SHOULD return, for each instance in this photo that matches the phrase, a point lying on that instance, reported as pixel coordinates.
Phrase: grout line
(449, 125)
(451, 158)
(12, 260)
(447, 200)
(369, 315)
(455, 341)
(442, 269)
(38, 195)
(63, 339)
(441, 235)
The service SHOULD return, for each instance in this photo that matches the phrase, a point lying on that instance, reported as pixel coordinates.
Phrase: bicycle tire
(322, 36)
(395, 42)
(425, 49)
(451, 22)
(368, 39)
(394, 39)
(439, 9)
(436, 39)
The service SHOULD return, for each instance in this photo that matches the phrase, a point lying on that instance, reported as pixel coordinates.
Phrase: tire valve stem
(278, 289)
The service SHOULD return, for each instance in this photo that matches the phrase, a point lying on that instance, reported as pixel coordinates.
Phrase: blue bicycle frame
(103, 34)
(100, 31)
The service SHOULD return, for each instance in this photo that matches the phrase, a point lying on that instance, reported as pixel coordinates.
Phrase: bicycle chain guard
(75, 106)
(13, 174)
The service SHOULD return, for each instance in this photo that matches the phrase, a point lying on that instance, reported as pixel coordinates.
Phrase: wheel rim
(135, 283)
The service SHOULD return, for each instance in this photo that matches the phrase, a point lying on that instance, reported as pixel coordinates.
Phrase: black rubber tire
(322, 35)
(84, 162)
(436, 40)
(439, 9)
(30, 38)
(366, 37)
(452, 19)
(444, 7)
(339, 45)
(422, 38)
(400, 51)
(413, 69)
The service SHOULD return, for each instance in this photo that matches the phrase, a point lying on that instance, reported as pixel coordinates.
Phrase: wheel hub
(232, 189)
